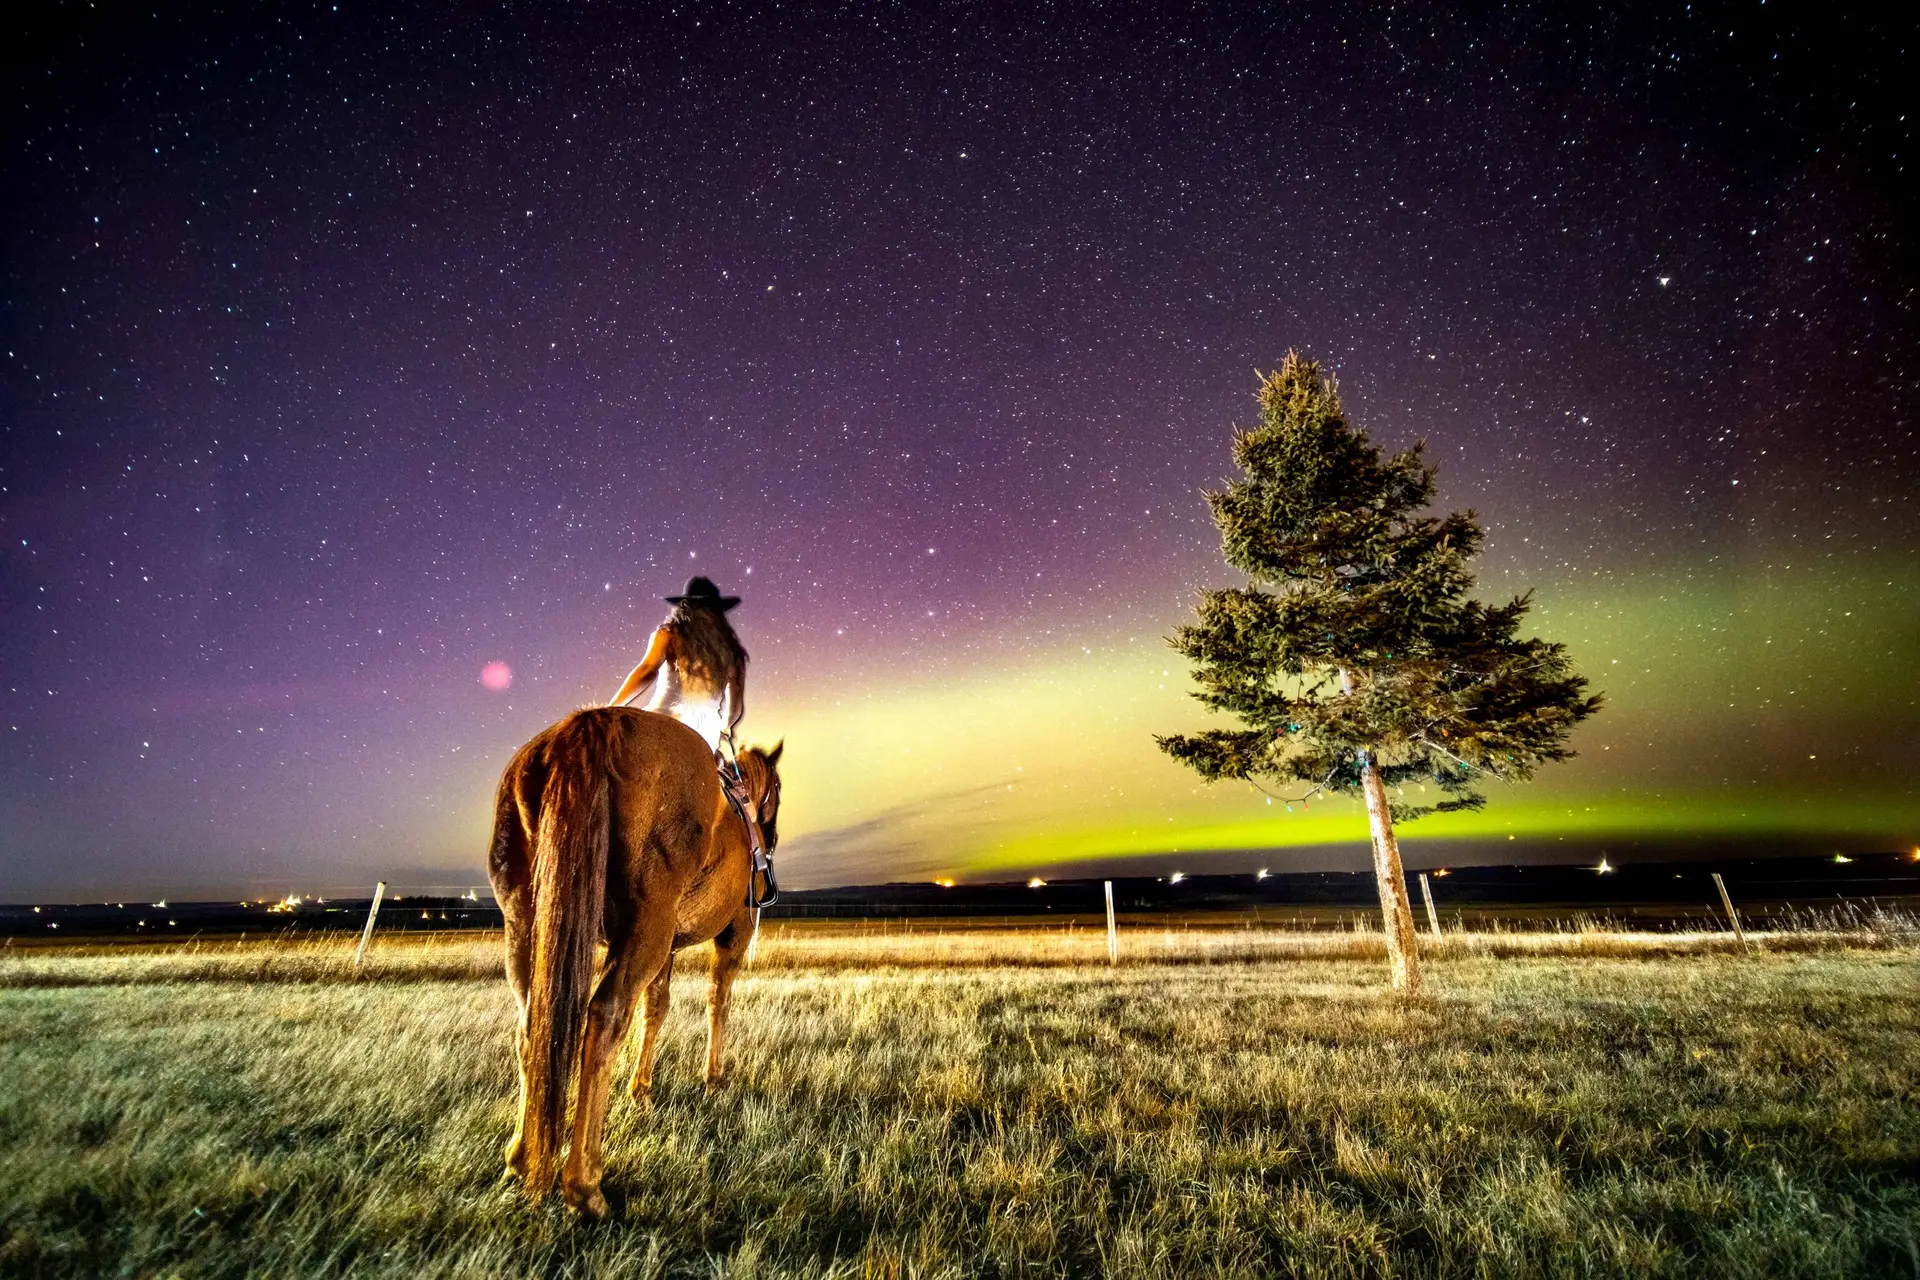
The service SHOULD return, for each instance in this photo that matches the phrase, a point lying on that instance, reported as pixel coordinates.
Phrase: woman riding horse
(700, 665)
(699, 674)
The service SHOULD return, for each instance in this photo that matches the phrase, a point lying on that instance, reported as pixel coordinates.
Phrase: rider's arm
(736, 697)
(656, 654)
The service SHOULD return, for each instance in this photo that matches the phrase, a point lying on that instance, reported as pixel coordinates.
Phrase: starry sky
(347, 350)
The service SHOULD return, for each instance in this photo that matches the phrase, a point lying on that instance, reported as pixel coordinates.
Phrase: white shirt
(704, 713)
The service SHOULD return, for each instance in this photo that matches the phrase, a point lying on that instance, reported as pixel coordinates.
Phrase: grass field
(934, 1102)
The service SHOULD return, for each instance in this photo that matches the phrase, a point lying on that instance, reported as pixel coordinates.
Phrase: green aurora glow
(1743, 705)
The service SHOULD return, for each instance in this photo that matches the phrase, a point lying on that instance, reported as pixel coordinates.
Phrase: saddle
(762, 889)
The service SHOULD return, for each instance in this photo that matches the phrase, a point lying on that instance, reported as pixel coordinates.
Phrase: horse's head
(760, 768)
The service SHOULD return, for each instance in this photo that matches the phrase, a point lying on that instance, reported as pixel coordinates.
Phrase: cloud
(908, 840)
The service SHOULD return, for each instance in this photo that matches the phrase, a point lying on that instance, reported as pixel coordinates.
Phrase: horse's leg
(633, 962)
(654, 1005)
(510, 870)
(729, 951)
(516, 908)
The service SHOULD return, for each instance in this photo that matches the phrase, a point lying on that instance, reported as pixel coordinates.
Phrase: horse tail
(569, 895)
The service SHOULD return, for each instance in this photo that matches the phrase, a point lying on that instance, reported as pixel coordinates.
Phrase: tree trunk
(1395, 909)
(1403, 956)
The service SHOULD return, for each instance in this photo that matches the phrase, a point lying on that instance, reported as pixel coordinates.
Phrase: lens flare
(496, 676)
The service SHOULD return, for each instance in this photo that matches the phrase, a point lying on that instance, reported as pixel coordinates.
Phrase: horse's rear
(609, 825)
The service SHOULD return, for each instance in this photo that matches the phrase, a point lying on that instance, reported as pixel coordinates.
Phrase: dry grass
(967, 1102)
(1017, 942)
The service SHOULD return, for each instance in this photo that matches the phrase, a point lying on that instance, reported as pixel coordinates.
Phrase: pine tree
(1355, 659)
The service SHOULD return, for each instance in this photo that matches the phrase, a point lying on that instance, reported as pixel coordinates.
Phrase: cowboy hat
(702, 591)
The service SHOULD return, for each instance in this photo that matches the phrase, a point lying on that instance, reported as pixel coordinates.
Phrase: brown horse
(612, 826)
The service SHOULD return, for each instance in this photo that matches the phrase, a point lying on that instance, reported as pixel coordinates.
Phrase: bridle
(763, 890)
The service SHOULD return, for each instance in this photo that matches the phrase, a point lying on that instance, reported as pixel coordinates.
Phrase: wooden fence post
(1726, 900)
(366, 934)
(1433, 917)
(1113, 934)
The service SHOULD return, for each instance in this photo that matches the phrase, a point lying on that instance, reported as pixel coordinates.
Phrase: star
(1029, 372)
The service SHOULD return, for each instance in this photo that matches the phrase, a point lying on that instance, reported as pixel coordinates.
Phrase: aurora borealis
(346, 352)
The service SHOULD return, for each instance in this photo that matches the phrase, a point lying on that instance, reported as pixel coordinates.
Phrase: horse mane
(710, 654)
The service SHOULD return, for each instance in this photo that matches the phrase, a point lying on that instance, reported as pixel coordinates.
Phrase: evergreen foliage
(1348, 577)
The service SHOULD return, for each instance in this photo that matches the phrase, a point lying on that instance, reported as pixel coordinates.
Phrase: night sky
(350, 349)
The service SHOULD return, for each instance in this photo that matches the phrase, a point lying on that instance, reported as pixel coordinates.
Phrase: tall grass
(1236, 1113)
(828, 946)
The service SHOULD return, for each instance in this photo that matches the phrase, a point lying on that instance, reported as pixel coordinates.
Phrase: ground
(1201, 1109)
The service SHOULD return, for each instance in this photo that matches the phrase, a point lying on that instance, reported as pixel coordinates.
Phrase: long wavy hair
(710, 654)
